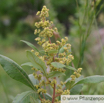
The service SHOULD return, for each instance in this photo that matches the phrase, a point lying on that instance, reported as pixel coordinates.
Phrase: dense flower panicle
(45, 31)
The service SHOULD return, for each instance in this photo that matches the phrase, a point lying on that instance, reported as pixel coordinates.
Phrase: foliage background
(17, 18)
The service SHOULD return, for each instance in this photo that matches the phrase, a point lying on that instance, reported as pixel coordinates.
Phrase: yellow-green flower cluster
(32, 50)
(37, 76)
(53, 82)
(69, 59)
(51, 49)
(39, 87)
(46, 30)
(63, 42)
(41, 83)
(49, 46)
(76, 74)
(46, 101)
(57, 101)
(66, 92)
(36, 53)
(59, 89)
(56, 69)
(63, 92)
(43, 13)
(41, 90)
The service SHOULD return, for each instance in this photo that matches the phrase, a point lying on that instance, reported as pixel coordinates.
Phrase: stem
(73, 65)
(40, 98)
(49, 40)
(43, 96)
(57, 95)
(53, 99)
(88, 30)
(64, 88)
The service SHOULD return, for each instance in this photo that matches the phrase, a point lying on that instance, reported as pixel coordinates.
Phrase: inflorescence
(45, 31)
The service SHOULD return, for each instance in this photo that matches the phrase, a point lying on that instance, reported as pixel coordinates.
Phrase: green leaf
(47, 96)
(15, 71)
(32, 100)
(69, 83)
(55, 74)
(57, 65)
(27, 64)
(31, 45)
(33, 80)
(68, 80)
(62, 49)
(37, 63)
(42, 52)
(76, 89)
(78, 79)
(25, 97)
(91, 79)
(71, 68)
(52, 51)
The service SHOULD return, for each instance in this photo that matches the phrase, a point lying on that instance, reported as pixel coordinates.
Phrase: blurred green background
(72, 18)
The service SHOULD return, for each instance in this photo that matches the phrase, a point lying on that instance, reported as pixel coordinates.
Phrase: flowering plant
(49, 66)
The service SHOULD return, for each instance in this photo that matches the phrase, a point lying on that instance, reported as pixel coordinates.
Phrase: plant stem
(49, 40)
(43, 96)
(87, 14)
(57, 95)
(53, 99)
(64, 88)
(73, 65)
(40, 98)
